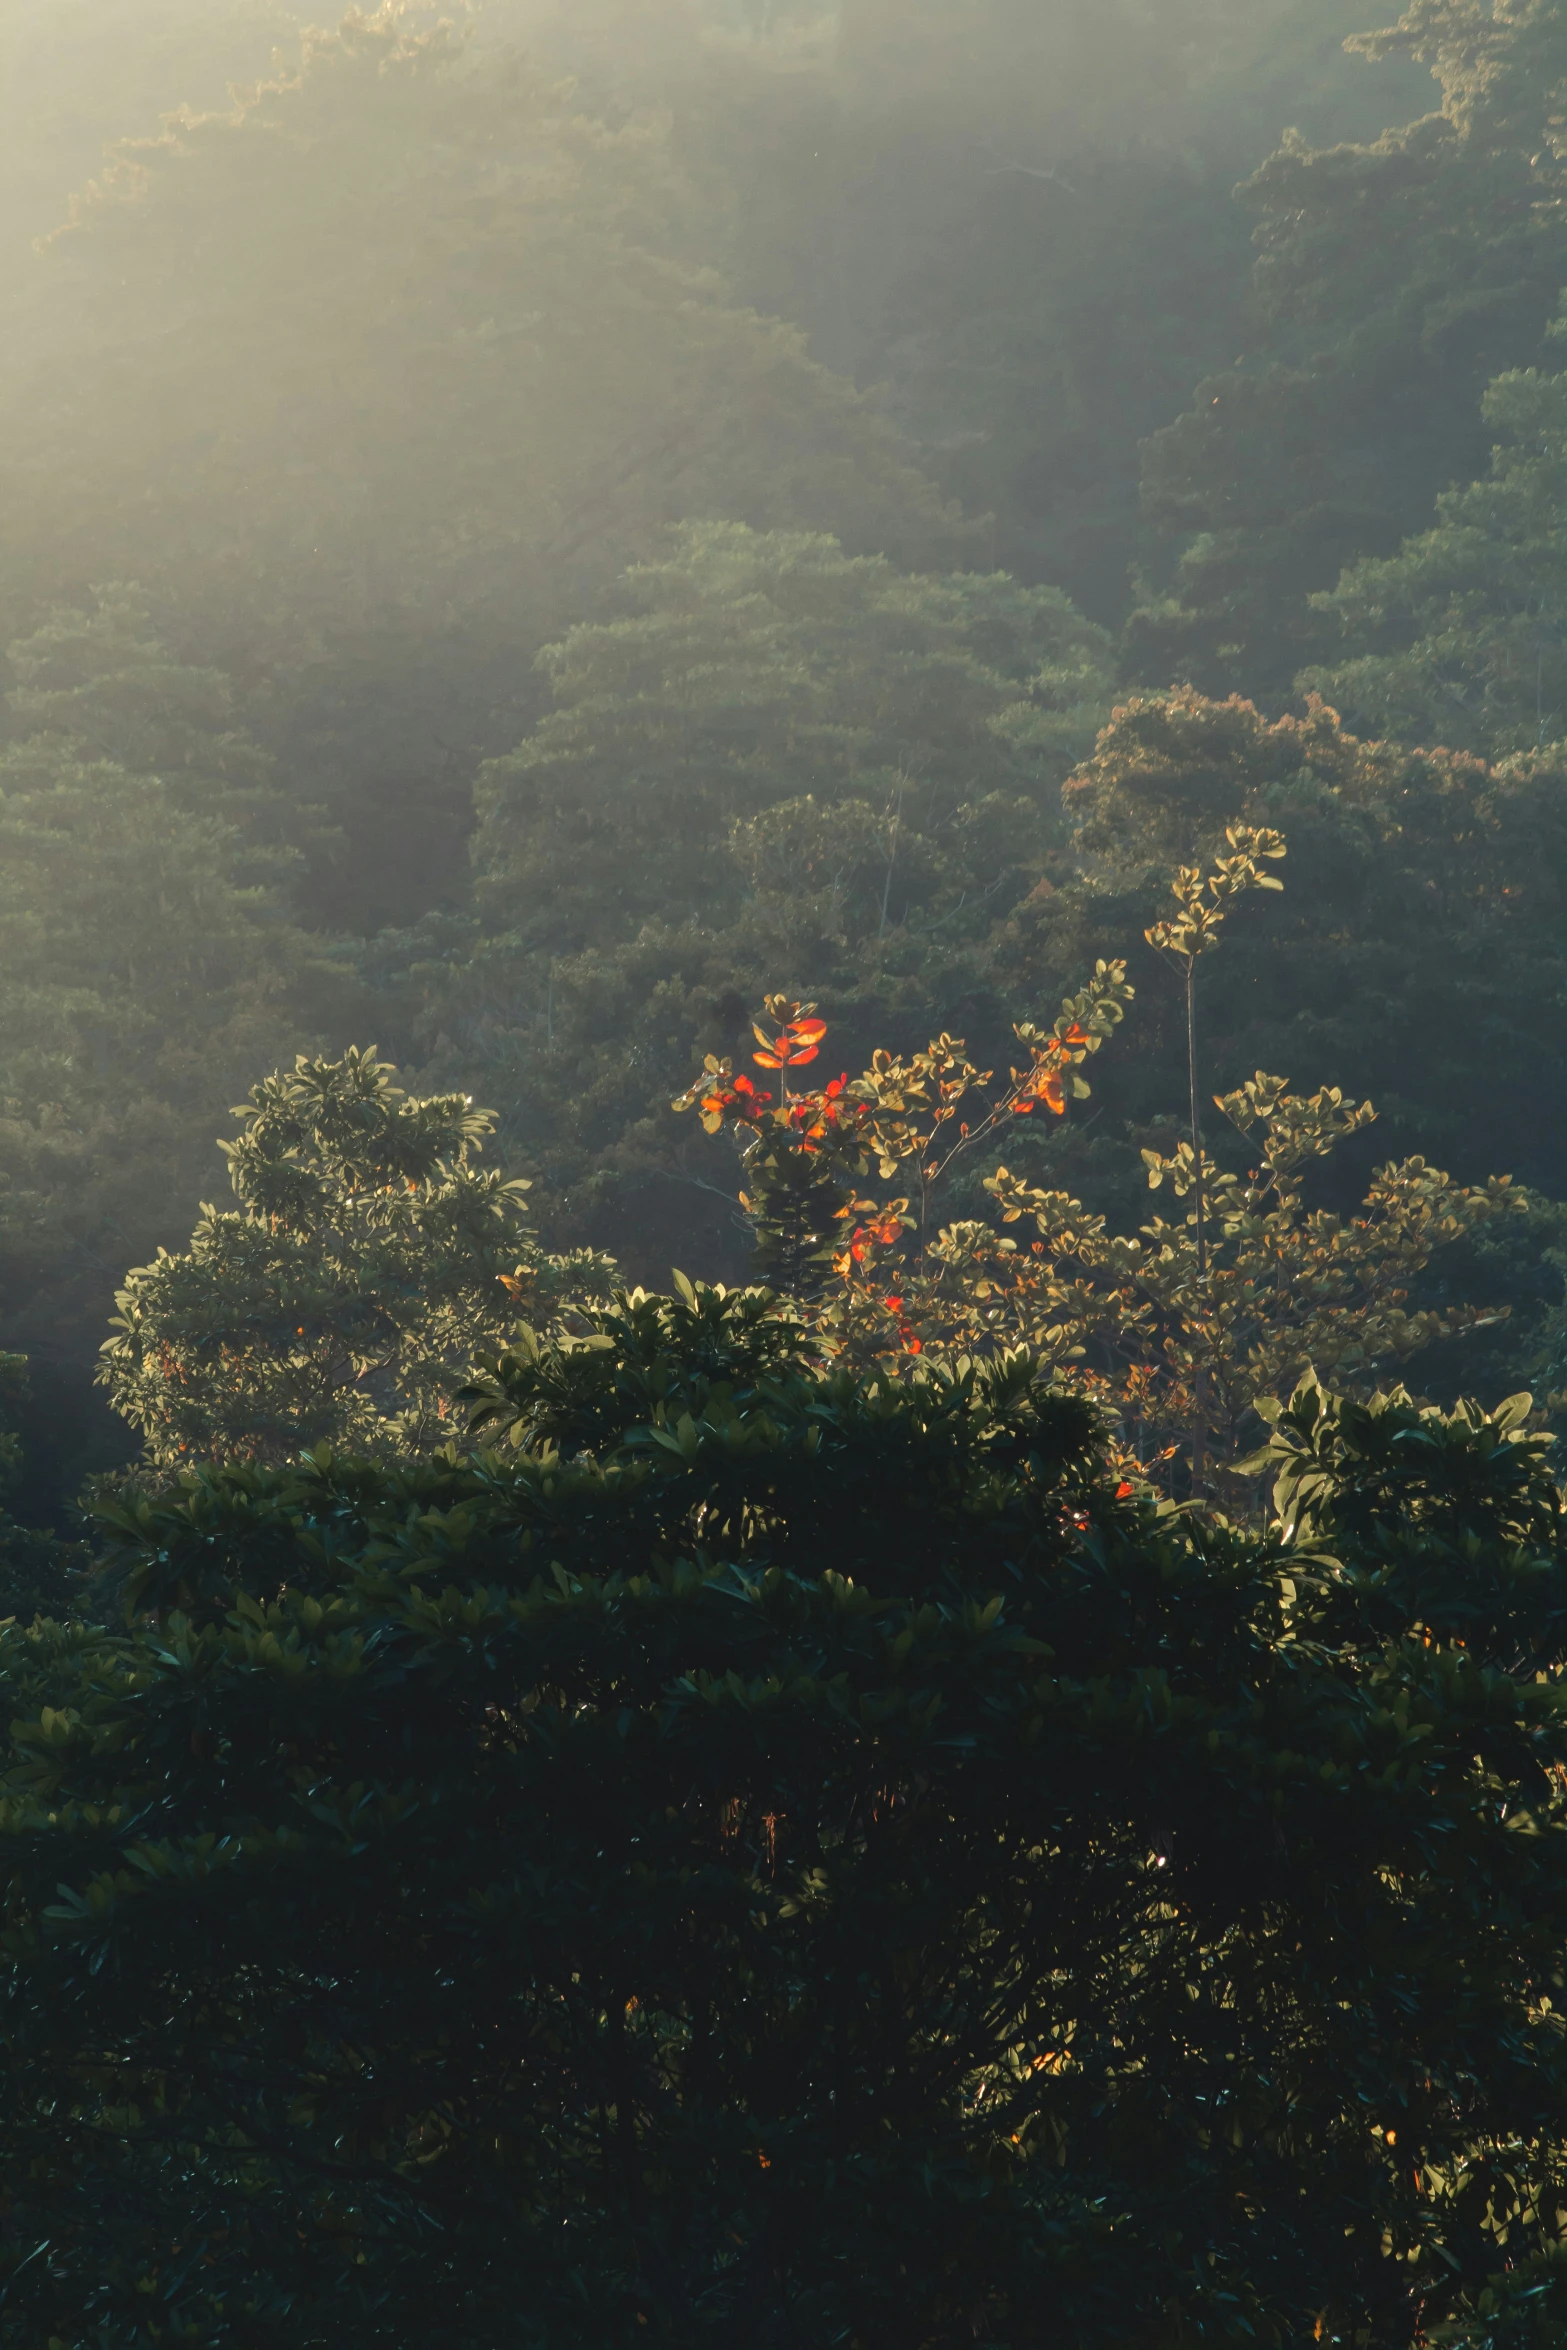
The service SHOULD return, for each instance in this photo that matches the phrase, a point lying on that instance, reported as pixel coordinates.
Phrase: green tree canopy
(1016, 215)
(367, 1265)
(1395, 279)
(378, 377)
(148, 961)
(822, 1861)
(1462, 636)
(755, 669)
(1415, 956)
(782, 763)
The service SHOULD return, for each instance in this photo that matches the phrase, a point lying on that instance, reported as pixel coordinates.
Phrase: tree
(378, 377)
(1356, 398)
(76, 77)
(1015, 215)
(1462, 635)
(96, 681)
(790, 1858)
(1416, 956)
(1178, 1331)
(761, 672)
(782, 763)
(369, 1263)
(148, 959)
(1204, 901)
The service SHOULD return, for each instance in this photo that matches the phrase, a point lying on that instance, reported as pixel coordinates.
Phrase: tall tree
(1416, 955)
(754, 670)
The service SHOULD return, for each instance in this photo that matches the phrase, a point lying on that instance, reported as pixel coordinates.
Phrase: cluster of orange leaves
(849, 1123)
(734, 1097)
(885, 1230)
(813, 1119)
(1045, 1082)
(828, 1116)
(790, 1046)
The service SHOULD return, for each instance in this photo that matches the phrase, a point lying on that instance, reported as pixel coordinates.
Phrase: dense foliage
(630, 509)
(369, 1260)
(793, 1856)
(773, 589)
(1394, 279)
(778, 763)
(1178, 1332)
(1467, 621)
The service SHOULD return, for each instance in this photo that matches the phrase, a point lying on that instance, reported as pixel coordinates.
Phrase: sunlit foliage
(369, 1260)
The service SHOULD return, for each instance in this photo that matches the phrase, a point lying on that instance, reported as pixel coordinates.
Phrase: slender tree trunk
(892, 858)
(1191, 1070)
(1200, 1383)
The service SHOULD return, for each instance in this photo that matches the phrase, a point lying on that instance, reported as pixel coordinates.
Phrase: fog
(452, 461)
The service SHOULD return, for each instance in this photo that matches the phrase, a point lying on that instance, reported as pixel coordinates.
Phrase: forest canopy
(783, 1251)
(532, 528)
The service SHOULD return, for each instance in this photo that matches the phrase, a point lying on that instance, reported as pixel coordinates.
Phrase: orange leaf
(771, 1060)
(807, 1031)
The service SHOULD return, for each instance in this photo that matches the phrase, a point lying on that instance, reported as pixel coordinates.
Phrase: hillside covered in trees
(783, 1174)
(531, 528)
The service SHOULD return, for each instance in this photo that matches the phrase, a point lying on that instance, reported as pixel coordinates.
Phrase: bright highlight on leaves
(790, 1045)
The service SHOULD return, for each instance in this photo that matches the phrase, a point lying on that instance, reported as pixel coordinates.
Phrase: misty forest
(783, 1175)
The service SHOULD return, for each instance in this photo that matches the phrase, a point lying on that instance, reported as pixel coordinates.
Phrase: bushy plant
(795, 1857)
(369, 1260)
